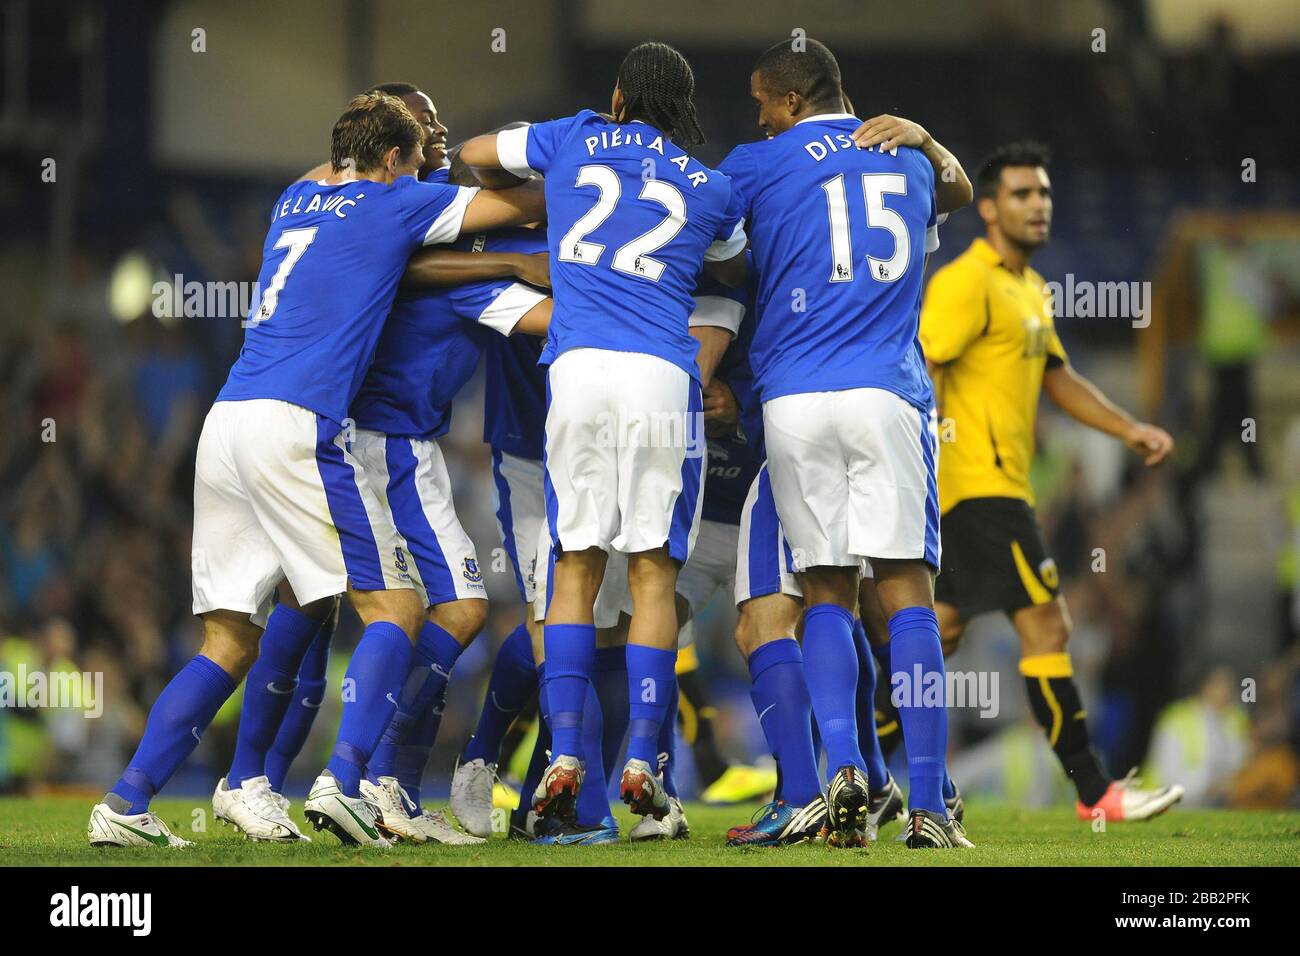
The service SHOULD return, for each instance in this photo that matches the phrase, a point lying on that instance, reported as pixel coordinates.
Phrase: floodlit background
(134, 149)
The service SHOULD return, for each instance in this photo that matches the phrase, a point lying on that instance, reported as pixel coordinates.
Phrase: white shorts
(625, 450)
(613, 598)
(410, 477)
(277, 495)
(763, 563)
(853, 474)
(712, 564)
(520, 502)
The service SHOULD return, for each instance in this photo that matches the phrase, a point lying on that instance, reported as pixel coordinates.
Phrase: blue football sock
(872, 756)
(915, 650)
(593, 797)
(650, 680)
(881, 654)
(176, 721)
(269, 689)
(410, 759)
(609, 677)
(373, 681)
(513, 681)
(830, 666)
(949, 788)
(537, 764)
(426, 679)
(570, 651)
(307, 699)
(771, 744)
(667, 744)
(784, 709)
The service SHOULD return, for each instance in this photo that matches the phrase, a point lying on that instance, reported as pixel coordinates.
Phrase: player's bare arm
(952, 187)
(433, 268)
(1084, 402)
(713, 341)
(537, 320)
(480, 152)
(730, 272)
(494, 208)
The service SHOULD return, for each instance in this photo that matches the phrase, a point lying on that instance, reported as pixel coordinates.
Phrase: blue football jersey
(433, 340)
(734, 459)
(514, 401)
(330, 268)
(839, 236)
(631, 218)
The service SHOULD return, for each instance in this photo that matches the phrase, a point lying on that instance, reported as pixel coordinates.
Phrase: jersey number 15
(875, 186)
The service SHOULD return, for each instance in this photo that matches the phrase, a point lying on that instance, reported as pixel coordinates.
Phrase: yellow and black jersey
(991, 333)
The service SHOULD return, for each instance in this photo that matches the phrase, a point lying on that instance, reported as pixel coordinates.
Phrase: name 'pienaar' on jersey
(330, 267)
(631, 219)
(839, 236)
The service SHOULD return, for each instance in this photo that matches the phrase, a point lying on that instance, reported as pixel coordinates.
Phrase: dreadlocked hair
(659, 88)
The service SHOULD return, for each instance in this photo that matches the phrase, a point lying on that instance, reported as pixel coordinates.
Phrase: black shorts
(993, 558)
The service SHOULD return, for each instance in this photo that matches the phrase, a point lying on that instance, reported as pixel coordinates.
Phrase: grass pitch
(50, 831)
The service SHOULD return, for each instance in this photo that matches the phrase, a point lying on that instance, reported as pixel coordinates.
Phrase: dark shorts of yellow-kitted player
(993, 558)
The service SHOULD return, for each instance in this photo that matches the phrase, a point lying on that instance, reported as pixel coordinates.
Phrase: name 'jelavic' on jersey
(839, 236)
(631, 219)
(330, 268)
(434, 338)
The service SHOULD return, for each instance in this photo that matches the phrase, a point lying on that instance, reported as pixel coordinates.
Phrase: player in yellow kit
(992, 348)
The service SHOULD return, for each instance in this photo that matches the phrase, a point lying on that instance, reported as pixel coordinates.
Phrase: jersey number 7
(874, 188)
(632, 257)
(296, 241)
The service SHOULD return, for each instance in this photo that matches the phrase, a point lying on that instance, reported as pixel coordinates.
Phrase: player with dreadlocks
(632, 218)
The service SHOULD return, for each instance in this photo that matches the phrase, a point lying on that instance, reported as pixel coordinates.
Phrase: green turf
(50, 831)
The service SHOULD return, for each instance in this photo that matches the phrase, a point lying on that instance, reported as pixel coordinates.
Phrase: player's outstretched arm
(451, 267)
(952, 187)
(495, 208)
(1085, 402)
(480, 152)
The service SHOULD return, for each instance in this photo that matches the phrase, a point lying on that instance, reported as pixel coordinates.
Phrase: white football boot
(354, 820)
(438, 829)
(395, 807)
(671, 827)
(254, 811)
(471, 795)
(107, 827)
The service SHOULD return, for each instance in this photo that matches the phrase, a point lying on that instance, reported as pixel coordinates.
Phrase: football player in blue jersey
(845, 394)
(278, 493)
(733, 461)
(279, 707)
(514, 416)
(632, 217)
